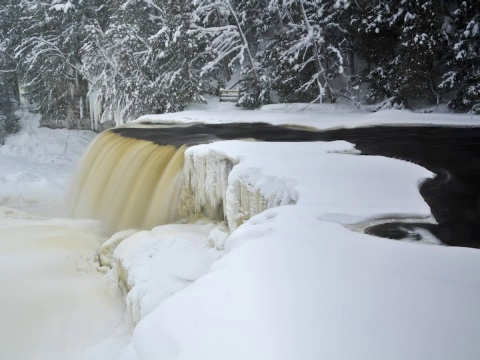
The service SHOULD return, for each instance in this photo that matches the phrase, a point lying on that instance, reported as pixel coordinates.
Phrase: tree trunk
(323, 89)
(244, 40)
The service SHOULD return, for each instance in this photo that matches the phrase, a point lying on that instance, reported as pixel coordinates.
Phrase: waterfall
(128, 183)
(140, 176)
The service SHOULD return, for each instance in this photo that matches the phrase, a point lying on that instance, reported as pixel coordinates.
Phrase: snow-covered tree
(308, 53)
(219, 24)
(422, 45)
(143, 61)
(9, 122)
(113, 58)
(464, 76)
(48, 55)
(232, 32)
(376, 31)
(143, 56)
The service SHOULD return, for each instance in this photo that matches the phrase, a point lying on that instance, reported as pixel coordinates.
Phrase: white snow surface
(153, 265)
(294, 287)
(328, 177)
(294, 283)
(316, 116)
(36, 166)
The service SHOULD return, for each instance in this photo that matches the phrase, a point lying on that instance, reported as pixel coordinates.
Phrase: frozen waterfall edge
(215, 187)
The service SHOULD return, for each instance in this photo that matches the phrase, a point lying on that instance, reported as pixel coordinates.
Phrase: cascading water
(128, 183)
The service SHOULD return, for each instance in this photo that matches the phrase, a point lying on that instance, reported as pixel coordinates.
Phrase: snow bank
(29, 184)
(153, 265)
(36, 165)
(44, 145)
(245, 178)
(294, 287)
(315, 116)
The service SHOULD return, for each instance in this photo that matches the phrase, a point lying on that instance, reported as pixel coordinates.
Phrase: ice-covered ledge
(216, 186)
(150, 266)
(239, 179)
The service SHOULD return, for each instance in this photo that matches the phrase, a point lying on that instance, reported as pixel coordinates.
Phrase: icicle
(96, 108)
(210, 189)
(81, 107)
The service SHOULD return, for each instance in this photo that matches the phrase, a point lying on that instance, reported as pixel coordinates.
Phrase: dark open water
(452, 153)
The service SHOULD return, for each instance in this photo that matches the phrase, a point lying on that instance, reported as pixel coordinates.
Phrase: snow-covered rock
(153, 265)
(239, 179)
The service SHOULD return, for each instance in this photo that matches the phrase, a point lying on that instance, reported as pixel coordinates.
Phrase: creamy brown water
(128, 183)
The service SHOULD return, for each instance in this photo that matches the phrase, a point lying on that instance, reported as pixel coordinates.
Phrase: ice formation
(153, 265)
(214, 187)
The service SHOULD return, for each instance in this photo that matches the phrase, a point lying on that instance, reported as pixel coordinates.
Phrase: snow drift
(239, 179)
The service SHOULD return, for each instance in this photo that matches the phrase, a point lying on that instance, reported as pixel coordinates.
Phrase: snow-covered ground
(37, 164)
(290, 283)
(316, 116)
(294, 287)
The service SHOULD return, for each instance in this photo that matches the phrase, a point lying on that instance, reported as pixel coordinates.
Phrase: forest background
(84, 63)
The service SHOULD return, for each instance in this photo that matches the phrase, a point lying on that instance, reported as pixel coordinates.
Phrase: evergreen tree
(144, 60)
(255, 80)
(48, 55)
(178, 58)
(114, 60)
(464, 76)
(9, 122)
(422, 47)
(143, 56)
(378, 29)
(308, 53)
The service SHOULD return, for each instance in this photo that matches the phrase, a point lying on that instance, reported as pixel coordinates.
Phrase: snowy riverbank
(37, 165)
(315, 116)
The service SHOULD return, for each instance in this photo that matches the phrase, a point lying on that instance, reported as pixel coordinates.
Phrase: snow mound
(239, 179)
(294, 287)
(153, 265)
